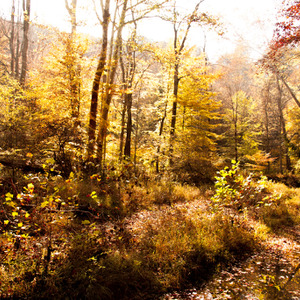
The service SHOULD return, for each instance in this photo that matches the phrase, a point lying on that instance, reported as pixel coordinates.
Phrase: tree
(286, 34)
(181, 26)
(276, 131)
(52, 84)
(196, 137)
(287, 31)
(235, 91)
(11, 34)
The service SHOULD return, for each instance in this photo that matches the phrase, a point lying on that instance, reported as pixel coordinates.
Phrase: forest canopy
(86, 103)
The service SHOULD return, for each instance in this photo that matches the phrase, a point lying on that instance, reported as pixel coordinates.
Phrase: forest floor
(163, 241)
(271, 273)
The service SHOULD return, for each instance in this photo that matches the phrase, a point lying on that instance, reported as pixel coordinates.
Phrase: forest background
(86, 122)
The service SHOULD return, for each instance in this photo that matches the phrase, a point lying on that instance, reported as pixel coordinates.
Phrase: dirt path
(273, 273)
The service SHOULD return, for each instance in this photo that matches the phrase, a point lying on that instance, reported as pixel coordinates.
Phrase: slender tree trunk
(235, 108)
(72, 13)
(12, 38)
(136, 138)
(290, 90)
(96, 82)
(286, 144)
(124, 109)
(267, 137)
(127, 148)
(175, 95)
(161, 128)
(236, 156)
(26, 12)
(74, 67)
(129, 95)
(18, 44)
(174, 111)
(283, 134)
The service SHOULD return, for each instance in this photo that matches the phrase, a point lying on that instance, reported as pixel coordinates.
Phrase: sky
(250, 21)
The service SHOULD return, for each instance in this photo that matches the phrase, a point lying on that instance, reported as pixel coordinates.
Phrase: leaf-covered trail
(272, 273)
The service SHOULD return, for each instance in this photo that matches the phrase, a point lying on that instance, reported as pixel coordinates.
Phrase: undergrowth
(100, 238)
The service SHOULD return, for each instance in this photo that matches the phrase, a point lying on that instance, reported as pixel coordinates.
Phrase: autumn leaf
(14, 214)
(44, 204)
(30, 187)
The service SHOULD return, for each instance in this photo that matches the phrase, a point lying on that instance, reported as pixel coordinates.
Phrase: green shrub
(237, 190)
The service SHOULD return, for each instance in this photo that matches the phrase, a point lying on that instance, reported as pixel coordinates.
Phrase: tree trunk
(12, 39)
(283, 134)
(72, 13)
(175, 95)
(124, 109)
(96, 82)
(174, 111)
(267, 135)
(290, 90)
(161, 128)
(129, 95)
(74, 68)
(26, 12)
(127, 148)
(18, 47)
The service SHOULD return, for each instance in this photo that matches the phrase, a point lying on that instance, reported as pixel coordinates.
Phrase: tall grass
(134, 241)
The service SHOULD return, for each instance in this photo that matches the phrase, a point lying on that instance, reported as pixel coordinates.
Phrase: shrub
(236, 190)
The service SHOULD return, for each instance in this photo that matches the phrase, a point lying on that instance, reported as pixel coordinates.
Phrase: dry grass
(134, 240)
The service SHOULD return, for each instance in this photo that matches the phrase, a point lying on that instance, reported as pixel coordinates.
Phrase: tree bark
(129, 95)
(26, 13)
(127, 148)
